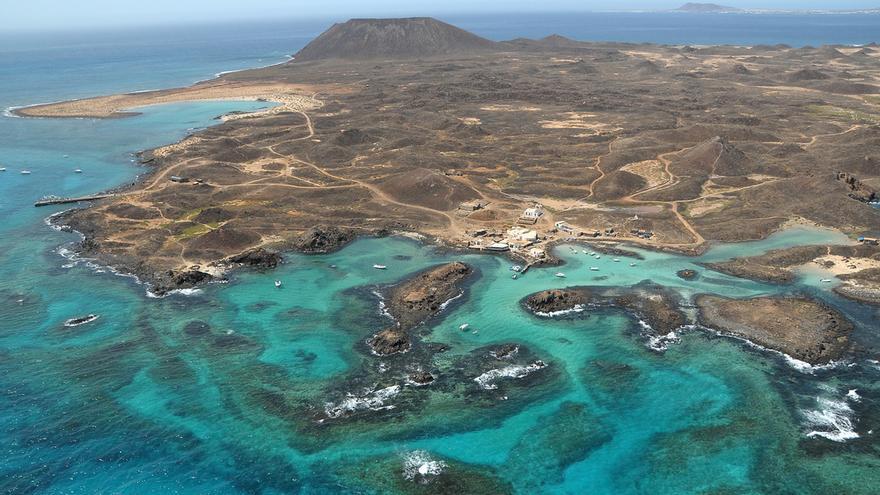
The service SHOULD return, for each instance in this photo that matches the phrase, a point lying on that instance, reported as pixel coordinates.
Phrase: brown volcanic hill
(392, 38)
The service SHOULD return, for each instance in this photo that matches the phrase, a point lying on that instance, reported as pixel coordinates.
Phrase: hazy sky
(76, 14)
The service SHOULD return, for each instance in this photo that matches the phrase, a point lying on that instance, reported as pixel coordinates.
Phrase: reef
(653, 304)
(417, 299)
(804, 329)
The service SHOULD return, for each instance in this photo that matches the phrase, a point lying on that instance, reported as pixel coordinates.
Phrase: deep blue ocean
(216, 392)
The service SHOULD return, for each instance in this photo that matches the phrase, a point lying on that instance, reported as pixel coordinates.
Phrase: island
(703, 8)
(804, 329)
(414, 126)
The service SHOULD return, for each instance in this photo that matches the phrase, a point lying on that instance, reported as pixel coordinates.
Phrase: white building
(522, 234)
(564, 227)
(533, 213)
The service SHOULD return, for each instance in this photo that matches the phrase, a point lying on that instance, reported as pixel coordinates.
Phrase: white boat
(2, 169)
(25, 172)
(594, 268)
(632, 264)
(515, 276)
(826, 280)
(560, 275)
(585, 251)
(616, 260)
(380, 267)
(78, 171)
(277, 283)
(464, 326)
(598, 257)
(516, 268)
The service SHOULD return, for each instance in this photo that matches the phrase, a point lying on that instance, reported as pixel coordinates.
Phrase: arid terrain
(454, 137)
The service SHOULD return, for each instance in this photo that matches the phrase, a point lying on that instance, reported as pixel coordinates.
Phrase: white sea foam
(661, 343)
(797, 364)
(373, 400)
(833, 419)
(383, 308)
(487, 379)
(419, 466)
(853, 395)
(223, 73)
(449, 301)
(578, 308)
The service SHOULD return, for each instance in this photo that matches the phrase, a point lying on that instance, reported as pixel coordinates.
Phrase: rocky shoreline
(804, 329)
(416, 300)
(653, 304)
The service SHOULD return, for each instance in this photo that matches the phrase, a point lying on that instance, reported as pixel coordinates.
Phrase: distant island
(706, 8)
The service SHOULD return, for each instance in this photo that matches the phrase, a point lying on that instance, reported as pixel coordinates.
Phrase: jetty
(52, 200)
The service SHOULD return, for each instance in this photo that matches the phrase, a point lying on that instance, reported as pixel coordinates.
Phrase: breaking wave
(487, 379)
(373, 400)
(833, 419)
(419, 466)
(578, 308)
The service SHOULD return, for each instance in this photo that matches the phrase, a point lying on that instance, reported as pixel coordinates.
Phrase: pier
(61, 201)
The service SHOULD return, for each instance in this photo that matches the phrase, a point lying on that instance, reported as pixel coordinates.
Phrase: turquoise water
(224, 391)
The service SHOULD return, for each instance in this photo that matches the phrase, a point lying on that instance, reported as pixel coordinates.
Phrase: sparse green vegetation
(851, 116)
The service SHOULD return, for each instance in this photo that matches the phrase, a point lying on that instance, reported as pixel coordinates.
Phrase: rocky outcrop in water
(802, 328)
(416, 300)
(179, 279)
(651, 303)
(687, 274)
(323, 239)
(555, 300)
(257, 258)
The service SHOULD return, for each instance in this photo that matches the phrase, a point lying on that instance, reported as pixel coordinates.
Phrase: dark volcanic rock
(416, 300)
(421, 377)
(392, 38)
(687, 274)
(802, 328)
(174, 280)
(807, 75)
(505, 351)
(257, 258)
(352, 137)
(323, 239)
(389, 341)
(555, 300)
(651, 303)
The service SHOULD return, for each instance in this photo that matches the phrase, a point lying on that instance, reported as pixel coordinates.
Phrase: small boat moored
(464, 326)
(278, 283)
(616, 260)
(826, 280)
(594, 268)
(25, 172)
(2, 169)
(77, 171)
(380, 267)
(515, 276)
(632, 264)
(560, 275)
